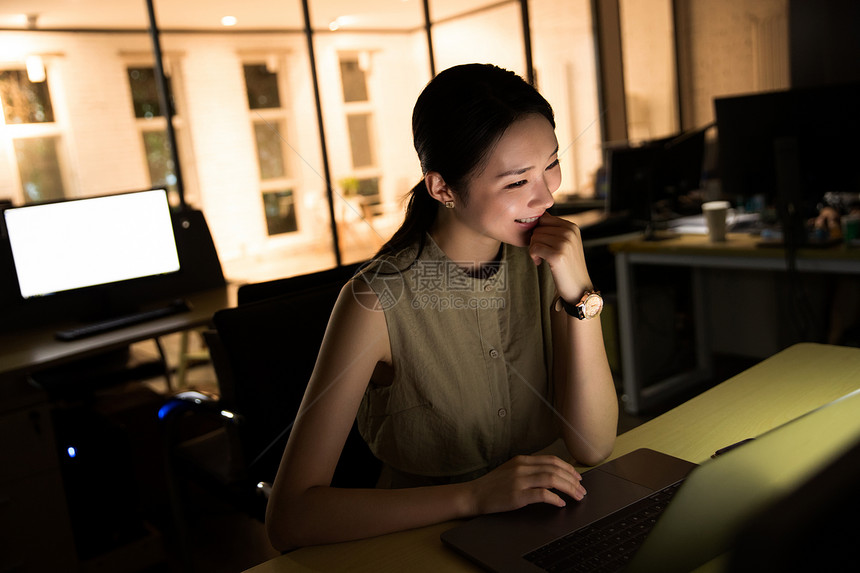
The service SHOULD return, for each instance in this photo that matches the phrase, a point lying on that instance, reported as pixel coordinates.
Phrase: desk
(779, 389)
(33, 512)
(27, 352)
(740, 252)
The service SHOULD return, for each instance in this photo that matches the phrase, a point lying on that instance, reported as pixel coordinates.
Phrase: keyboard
(100, 327)
(607, 544)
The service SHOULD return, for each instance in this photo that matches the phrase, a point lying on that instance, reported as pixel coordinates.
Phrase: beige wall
(730, 47)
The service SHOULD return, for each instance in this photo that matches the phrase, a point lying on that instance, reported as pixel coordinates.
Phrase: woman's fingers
(558, 242)
(524, 480)
(556, 475)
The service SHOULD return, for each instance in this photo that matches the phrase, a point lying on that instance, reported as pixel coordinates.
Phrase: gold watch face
(592, 305)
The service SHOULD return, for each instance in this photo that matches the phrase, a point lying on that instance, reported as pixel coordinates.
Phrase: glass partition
(244, 114)
(372, 62)
(483, 31)
(253, 133)
(648, 55)
(564, 62)
(69, 122)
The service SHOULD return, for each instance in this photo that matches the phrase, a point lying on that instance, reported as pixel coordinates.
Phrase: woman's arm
(304, 510)
(585, 396)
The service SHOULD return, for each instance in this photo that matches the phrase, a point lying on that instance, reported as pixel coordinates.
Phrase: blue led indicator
(72, 451)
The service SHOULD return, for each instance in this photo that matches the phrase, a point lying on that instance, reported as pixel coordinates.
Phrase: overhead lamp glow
(341, 21)
(229, 21)
(35, 69)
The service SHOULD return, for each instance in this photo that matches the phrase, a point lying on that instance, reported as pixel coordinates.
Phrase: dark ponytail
(420, 213)
(457, 120)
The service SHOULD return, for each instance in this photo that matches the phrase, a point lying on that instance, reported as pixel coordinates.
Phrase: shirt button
(494, 353)
(502, 412)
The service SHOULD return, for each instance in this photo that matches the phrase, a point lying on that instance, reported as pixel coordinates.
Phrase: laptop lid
(720, 496)
(701, 522)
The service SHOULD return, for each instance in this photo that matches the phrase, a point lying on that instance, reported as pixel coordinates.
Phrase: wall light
(229, 21)
(35, 69)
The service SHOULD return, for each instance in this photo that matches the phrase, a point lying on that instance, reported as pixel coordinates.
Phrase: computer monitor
(657, 171)
(84, 243)
(789, 147)
(630, 176)
(681, 170)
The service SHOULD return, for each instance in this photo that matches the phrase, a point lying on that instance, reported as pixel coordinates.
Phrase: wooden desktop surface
(736, 244)
(790, 383)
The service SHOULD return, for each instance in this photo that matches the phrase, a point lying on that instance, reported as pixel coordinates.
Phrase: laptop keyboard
(607, 544)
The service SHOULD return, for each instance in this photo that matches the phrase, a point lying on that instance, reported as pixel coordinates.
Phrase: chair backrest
(270, 348)
(255, 292)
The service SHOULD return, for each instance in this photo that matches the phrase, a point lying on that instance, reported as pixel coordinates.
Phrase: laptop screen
(82, 243)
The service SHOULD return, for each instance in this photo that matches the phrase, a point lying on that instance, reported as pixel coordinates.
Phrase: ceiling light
(346, 20)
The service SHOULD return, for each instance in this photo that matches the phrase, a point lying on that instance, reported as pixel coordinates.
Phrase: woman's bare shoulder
(359, 321)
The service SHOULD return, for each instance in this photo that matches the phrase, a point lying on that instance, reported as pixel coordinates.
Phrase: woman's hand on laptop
(524, 480)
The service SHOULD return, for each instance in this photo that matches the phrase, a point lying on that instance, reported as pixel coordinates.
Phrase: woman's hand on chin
(558, 242)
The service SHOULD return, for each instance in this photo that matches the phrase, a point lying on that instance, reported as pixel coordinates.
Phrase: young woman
(467, 346)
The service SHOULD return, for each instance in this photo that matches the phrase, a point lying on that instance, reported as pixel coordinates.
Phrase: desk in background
(738, 252)
(33, 511)
(29, 351)
(781, 388)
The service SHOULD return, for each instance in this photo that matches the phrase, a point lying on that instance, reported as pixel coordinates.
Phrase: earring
(449, 204)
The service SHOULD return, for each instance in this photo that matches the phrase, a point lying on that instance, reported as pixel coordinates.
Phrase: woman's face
(515, 187)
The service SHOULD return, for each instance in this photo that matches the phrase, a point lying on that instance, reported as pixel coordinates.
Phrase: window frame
(171, 61)
(40, 130)
(282, 118)
(365, 108)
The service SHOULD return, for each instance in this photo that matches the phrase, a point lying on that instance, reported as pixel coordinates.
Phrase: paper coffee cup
(715, 218)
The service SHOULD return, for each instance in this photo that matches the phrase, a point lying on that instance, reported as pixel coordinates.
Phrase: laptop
(700, 508)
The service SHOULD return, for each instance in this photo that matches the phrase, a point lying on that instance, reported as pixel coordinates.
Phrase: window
(280, 211)
(270, 152)
(34, 135)
(354, 80)
(262, 86)
(359, 124)
(144, 92)
(152, 125)
(270, 121)
(23, 100)
(360, 141)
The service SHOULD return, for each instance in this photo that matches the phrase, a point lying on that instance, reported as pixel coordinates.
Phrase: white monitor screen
(86, 242)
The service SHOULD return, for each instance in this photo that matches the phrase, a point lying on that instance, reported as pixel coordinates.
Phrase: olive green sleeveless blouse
(472, 360)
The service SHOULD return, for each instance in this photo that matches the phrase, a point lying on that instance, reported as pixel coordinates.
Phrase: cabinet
(35, 530)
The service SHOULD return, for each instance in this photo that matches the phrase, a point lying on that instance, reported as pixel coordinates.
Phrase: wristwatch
(589, 306)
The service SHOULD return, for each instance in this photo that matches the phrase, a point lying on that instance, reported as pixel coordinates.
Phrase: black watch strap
(573, 310)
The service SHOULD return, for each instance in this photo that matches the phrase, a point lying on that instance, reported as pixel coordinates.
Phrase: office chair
(263, 352)
(255, 292)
